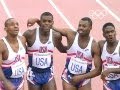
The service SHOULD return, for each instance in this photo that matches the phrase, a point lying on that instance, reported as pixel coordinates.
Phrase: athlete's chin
(110, 40)
(47, 29)
(82, 34)
(15, 34)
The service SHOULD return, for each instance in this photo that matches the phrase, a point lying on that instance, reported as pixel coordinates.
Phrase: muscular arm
(28, 34)
(7, 84)
(2, 77)
(101, 44)
(64, 31)
(32, 21)
(23, 40)
(97, 63)
(110, 70)
(115, 70)
(58, 42)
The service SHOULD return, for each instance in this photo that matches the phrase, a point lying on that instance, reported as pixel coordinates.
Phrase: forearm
(2, 76)
(37, 21)
(62, 49)
(92, 74)
(63, 31)
(114, 70)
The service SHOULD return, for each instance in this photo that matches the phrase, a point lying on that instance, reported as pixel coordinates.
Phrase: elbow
(99, 72)
(63, 51)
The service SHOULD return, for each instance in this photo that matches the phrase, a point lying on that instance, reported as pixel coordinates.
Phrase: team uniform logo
(77, 66)
(41, 60)
(18, 68)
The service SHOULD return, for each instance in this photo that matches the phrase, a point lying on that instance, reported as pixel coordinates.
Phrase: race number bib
(41, 60)
(77, 66)
(112, 76)
(18, 69)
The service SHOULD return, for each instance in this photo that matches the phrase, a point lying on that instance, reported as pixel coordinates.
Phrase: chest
(43, 39)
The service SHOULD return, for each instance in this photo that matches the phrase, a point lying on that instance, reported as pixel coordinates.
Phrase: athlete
(82, 50)
(12, 57)
(110, 55)
(41, 42)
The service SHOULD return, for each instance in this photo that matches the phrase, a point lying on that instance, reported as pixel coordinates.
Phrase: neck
(84, 38)
(44, 32)
(11, 39)
(112, 43)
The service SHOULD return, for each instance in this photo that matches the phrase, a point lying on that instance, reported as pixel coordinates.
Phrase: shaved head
(7, 21)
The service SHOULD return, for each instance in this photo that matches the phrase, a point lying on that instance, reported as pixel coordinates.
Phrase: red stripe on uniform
(71, 54)
(32, 50)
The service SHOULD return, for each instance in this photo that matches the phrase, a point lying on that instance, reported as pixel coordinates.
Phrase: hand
(76, 79)
(8, 85)
(31, 21)
(104, 74)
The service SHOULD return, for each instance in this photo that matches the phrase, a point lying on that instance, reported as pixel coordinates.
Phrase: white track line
(106, 8)
(6, 8)
(7, 11)
(61, 14)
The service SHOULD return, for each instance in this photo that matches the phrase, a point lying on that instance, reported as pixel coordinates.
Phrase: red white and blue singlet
(14, 67)
(79, 61)
(40, 60)
(111, 61)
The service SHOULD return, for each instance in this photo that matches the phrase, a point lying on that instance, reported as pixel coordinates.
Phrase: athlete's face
(109, 33)
(84, 27)
(12, 27)
(46, 22)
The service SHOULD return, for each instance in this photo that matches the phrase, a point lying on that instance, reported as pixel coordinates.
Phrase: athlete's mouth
(80, 31)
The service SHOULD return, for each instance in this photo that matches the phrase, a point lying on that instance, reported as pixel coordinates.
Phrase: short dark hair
(107, 24)
(7, 21)
(87, 19)
(46, 14)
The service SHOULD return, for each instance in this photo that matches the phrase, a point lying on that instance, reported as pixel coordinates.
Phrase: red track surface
(73, 10)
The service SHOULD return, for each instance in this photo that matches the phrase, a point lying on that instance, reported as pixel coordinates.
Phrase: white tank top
(111, 61)
(16, 60)
(41, 52)
(80, 58)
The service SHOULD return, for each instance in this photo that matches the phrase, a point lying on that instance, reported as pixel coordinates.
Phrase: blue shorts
(112, 85)
(66, 76)
(17, 82)
(39, 79)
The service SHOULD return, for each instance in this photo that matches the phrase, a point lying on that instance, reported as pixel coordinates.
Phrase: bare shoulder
(23, 39)
(101, 43)
(95, 47)
(94, 43)
(56, 34)
(29, 33)
(71, 32)
(2, 46)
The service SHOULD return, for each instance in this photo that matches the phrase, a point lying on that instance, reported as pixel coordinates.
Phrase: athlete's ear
(40, 23)
(90, 27)
(103, 34)
(52, 22)
(5, 28)
(115, 33)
